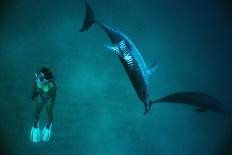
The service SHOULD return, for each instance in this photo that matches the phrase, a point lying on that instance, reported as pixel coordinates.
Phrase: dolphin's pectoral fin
(113, 49)
(153, 68)
(201, 110)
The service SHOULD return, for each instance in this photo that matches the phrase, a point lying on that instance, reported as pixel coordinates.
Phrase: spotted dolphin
(139, 73)
(128, 54)
(202, 101)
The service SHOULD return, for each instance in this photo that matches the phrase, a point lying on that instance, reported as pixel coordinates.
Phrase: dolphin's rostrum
(138, 72)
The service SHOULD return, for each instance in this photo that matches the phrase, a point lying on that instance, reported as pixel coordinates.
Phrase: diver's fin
(89, 18)
(153, 68)
(46, 133)
(201, 110)
(35, 134)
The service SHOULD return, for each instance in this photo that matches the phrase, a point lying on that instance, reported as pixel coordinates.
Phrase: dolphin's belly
(137, 74)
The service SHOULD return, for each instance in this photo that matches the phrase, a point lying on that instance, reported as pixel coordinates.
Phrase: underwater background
(97, 111)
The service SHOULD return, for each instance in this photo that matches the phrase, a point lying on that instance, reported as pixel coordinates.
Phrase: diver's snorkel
(40, 78)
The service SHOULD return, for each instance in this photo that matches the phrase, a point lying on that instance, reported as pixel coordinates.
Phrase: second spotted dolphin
(129, 56)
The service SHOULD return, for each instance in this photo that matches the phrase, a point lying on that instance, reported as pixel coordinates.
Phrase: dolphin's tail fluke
(89, 18)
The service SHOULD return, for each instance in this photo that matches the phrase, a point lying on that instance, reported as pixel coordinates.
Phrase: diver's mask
(40, 78)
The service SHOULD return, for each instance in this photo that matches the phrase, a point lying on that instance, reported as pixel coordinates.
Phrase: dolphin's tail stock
(196, 99)
(89, 18)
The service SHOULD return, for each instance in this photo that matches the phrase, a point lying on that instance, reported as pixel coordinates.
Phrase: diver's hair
(47, 73)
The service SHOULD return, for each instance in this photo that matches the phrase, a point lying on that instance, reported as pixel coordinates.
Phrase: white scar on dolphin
(139, 74)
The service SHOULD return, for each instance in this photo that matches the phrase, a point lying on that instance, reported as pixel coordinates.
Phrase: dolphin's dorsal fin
(153, 68)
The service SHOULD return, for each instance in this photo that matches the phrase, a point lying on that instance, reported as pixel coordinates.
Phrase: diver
(44, 94)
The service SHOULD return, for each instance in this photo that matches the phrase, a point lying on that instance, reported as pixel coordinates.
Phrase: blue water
(97, 111)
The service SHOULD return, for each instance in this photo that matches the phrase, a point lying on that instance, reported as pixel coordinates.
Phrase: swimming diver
(44, 94)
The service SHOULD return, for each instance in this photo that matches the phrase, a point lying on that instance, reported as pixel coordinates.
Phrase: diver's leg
(38, 107)
(35, 131)
(49, 111)
(46, 133)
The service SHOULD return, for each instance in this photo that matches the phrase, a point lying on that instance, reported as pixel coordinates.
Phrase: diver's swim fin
(46, 133)
(35, 134)
(89, 18)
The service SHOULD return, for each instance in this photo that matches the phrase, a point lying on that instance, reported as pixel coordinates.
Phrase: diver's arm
(35, 92)
(52, 89)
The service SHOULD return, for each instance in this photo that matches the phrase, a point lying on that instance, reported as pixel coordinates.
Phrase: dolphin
(139, 73)
(202, 101)
(128, 54)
